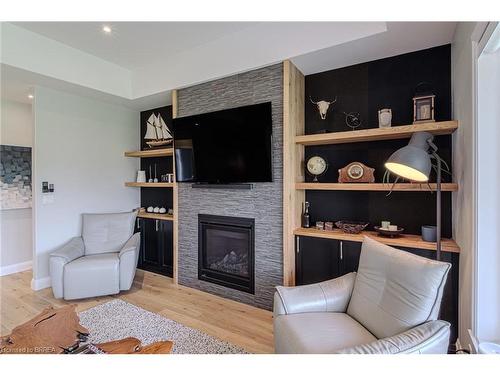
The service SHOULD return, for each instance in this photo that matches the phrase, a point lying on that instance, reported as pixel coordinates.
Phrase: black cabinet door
(316, 260)
(166, 247)
(151, 250)
(139, 227)
(349, 256)
(156, 253)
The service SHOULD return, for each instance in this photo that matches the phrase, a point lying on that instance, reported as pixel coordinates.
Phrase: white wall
(462, 67)
(488, 199)
(79, 146)
(16, 247)
(17, 128)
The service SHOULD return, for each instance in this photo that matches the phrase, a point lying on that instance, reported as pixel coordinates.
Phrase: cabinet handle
(341, 250)
(156, 225)
(297, 244)
(138, 223)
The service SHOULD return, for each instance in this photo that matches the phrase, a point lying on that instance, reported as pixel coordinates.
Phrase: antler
(313, 102)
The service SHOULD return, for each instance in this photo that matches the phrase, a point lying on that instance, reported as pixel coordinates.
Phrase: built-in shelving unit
(150, 215)
(374, 186)
(377, 134)
(295, 142)
(150, 184)
(407, 240)
(160, 153)
(150, 153)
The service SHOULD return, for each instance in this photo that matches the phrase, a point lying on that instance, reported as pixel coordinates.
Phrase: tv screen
(229, 146)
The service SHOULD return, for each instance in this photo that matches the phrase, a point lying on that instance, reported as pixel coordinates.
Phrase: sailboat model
(157, 132)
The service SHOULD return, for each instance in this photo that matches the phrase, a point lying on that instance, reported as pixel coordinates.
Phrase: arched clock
(316, 166)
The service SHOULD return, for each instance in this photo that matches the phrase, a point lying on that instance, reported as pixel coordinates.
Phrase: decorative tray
(352, 227)
(389, 233)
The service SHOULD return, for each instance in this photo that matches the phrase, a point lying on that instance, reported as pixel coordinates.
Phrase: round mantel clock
(356, 172)
(316, 166)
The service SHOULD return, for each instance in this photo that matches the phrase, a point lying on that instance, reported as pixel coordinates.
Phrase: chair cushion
(395, 290)
(105, 233)
(319, 332)
(91, 276)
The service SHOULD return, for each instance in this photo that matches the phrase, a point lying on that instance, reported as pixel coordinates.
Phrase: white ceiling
(134, 45)
(400, 37)
(161, 56)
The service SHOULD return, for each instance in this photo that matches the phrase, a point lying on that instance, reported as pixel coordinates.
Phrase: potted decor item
(429, 233)
(384, 118)
(141, 176)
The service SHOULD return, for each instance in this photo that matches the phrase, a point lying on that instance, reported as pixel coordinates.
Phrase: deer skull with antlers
(323, 106)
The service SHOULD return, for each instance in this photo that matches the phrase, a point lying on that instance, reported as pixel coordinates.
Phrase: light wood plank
(150, 184)
(175, 199)
(152, 215)
(246, 326)
(293, 156)
(374, 186)
(150, 153)
(377, 134)
(406, 240)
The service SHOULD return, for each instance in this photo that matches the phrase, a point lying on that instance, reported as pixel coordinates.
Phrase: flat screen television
(224, 147)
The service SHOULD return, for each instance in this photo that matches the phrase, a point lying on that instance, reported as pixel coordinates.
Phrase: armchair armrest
(132, 244)
(68, 252)
(71, 250)
(428, 338)
(129, 255)
(327, 296)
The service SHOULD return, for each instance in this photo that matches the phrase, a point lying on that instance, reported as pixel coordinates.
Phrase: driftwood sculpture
(50, 332)
(56, 331)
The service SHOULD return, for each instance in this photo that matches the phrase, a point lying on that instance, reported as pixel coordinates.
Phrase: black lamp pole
(438, 209)
(438, 197)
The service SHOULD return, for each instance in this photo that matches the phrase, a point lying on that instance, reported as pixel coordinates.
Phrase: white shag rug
(118, 319)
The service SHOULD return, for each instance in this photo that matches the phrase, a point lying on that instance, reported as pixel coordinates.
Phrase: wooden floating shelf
(377, 134)
(150, 153)
(150, 184)
(151, 215)
(406, 240)
(373, 187)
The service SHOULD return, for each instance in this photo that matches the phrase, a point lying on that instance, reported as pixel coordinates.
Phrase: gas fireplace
(226, 251)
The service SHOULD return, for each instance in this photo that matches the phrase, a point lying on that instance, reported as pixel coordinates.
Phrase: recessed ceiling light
(106, 29)
(30, 96)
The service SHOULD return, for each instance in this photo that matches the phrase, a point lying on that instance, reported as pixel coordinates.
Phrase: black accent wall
(161, 197)
(366, 88)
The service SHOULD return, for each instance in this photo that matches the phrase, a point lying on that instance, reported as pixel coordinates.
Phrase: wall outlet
(48, 198)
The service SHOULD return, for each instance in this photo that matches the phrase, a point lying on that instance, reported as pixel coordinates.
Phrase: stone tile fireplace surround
(263, 203)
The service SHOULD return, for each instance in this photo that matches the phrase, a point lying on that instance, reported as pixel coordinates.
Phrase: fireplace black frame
(244, 284)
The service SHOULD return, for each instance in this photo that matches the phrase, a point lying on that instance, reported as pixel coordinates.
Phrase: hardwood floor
(243, 325)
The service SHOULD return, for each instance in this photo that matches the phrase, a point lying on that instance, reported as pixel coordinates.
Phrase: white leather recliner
(389, 306)
(101, 262)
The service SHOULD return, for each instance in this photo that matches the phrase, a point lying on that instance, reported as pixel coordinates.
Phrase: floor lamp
(413, 162)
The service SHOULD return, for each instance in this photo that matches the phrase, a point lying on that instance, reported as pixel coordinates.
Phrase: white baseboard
(14, 268)
(38, 284)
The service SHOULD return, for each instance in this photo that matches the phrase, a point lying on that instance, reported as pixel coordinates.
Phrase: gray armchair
(389, 306)
(100, 262)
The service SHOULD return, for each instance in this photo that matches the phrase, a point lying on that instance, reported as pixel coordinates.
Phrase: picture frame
(423, 109)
